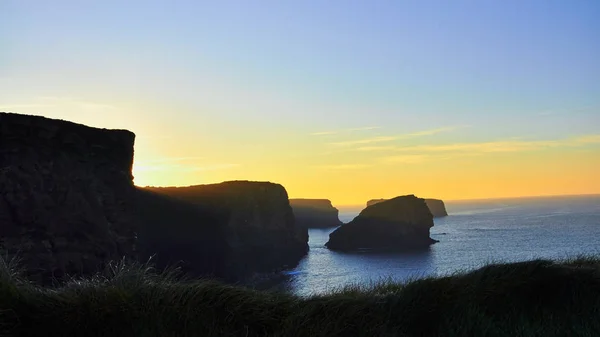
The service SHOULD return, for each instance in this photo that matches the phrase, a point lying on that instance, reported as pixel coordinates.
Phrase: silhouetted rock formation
(257, 222)
(436, 206)
(176, 232)
(401, 223)
(315, 213)
(68, 206)
(65, 195)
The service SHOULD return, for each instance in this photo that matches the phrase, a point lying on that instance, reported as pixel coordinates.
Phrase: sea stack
(401, 223)
(436, 206)
(315, 213)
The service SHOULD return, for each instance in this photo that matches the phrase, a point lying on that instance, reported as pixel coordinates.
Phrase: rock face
(257, 222)
(68, 205)
(65, 195)
(436, 206)
(401, 223)
(315, 213)
(176, 232)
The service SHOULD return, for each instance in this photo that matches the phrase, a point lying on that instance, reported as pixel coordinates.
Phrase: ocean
(475, 233)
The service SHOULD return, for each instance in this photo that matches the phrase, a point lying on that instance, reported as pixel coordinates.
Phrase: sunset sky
(346, 100)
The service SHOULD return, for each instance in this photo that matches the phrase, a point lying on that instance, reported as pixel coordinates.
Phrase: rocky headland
(436, 206)
(315, 213)
(401, 223)
(256, 221)
(68, 206)
(66, 195)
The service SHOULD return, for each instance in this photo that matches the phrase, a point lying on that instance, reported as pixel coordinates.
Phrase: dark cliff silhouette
(401, 223)
(315, 213)
(257, 221)
(66, 195)
(68, 206)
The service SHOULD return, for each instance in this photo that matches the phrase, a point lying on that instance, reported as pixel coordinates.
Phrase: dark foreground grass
(534, 298)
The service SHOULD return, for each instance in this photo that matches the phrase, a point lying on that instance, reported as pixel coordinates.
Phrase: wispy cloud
(375, 148)
(567, 112)
(435, 131)
(421, 153)
(505, 145)
(380, 139)
(496, 146)
(365, 128)
(587, 139)
(324, 133)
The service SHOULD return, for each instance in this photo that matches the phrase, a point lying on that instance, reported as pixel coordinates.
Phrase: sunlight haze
(345, 100)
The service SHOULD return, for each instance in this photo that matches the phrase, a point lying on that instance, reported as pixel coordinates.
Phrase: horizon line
(489, 198)
(362, 204)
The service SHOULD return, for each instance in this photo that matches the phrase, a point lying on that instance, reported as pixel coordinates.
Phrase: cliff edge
(65, 195)
(257, 222)
(401, 223)
(68, 206)
(437, 207)
(315, 213)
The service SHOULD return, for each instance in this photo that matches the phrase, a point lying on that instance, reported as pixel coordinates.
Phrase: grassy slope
(535, 298)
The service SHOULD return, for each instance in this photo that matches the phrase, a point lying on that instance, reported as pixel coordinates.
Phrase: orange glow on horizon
(350, 166)
(481, 177)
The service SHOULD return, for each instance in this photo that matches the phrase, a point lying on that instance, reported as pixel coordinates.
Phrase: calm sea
(474, 233)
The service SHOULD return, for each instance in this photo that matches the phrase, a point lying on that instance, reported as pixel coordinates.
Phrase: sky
(345, 100)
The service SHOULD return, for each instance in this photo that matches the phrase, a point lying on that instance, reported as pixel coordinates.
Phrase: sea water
(475, 233)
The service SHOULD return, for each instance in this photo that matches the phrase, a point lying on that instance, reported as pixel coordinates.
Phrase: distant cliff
(401, 223)
(65, 195)
(436, 206)
(258, 223)
(315, 213)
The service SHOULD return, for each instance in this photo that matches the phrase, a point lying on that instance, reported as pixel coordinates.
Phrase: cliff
(68, 206)
(401, 223)
(257, 222)
(65, 195)
(315, 213)
(176, 232)
(436, 206)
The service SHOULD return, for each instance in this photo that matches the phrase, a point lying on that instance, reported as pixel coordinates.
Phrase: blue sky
(225, 72)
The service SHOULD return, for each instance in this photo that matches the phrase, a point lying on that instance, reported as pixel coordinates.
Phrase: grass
(534, 298)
